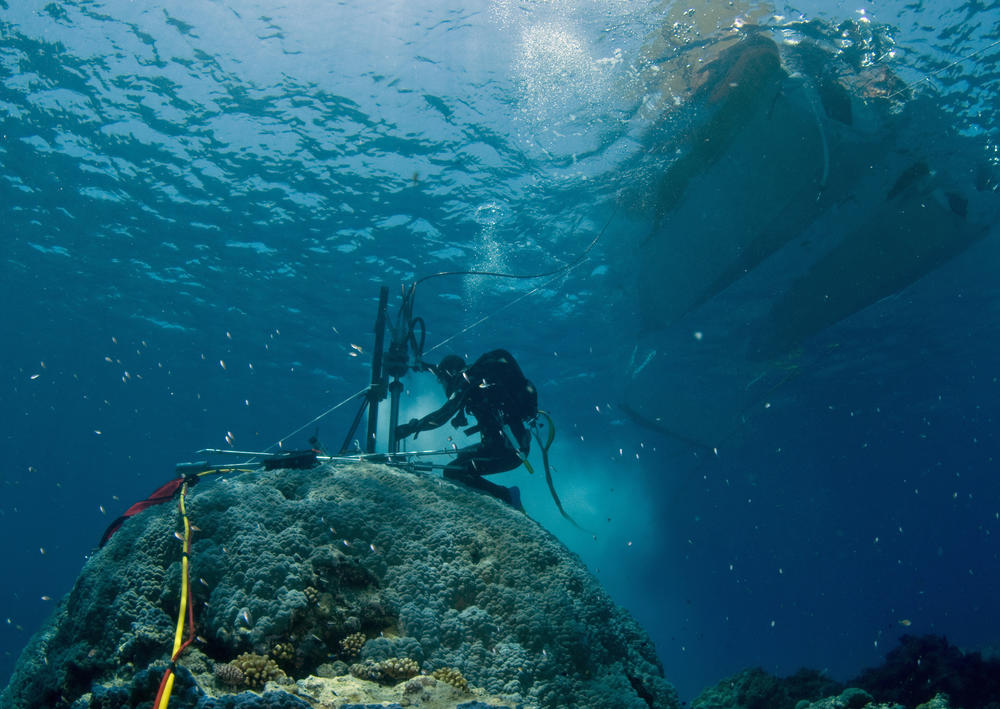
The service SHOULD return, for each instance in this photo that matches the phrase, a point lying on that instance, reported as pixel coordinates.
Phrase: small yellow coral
(400, 668)
(257, 669)
(394, 669)
(452, 676)
(352, 644)
(283, 653)
(366, 670)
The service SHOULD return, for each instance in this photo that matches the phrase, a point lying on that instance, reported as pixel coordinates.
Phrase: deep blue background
(198, 210)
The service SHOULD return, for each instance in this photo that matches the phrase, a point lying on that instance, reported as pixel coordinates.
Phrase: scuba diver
(496, 393)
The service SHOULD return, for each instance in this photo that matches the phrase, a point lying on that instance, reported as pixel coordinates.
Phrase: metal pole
(395, 389)
(377, 391)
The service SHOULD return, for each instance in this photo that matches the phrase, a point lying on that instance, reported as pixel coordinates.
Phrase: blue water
(200, 202)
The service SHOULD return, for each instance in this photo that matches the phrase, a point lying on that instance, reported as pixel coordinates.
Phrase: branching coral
(352, 644)
(452, 676)
(257, 669)
(283, 653)
(394, 669)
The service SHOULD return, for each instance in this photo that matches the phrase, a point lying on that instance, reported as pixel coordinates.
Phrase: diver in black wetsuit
(495, 392)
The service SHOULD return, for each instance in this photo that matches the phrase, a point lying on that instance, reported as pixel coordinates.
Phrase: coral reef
(921, 673)
(850, 698)
(422, 691)
(921, 667)
(257, 670)
(283, 653)
(352, 644)
(229, 674)
(390, 671)
(752, 689)
(757, 689)
(452, 677)
(304, 565)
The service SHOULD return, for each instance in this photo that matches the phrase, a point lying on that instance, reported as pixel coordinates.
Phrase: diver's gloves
(405, 430)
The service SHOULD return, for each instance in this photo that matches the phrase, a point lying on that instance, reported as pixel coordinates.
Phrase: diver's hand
(406, 430)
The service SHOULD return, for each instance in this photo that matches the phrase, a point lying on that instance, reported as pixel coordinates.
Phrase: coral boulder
(322, 570)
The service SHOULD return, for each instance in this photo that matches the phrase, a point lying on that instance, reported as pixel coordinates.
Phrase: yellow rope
(179, 631)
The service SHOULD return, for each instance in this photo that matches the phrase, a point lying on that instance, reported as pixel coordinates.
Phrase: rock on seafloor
(351, 585)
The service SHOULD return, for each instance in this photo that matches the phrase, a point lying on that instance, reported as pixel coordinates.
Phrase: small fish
(46, 598)
(179, 536)
(245, 615)
(906, 622)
